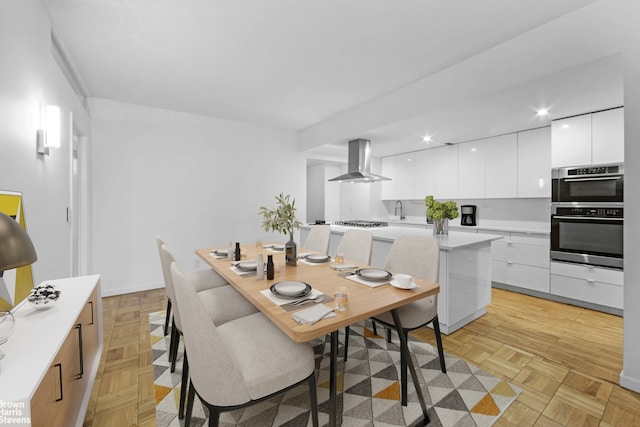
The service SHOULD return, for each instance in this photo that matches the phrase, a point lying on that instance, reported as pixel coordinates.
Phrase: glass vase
(441, 227)
(291, 251)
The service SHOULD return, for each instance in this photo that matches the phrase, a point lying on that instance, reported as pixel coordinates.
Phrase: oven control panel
(601, 212)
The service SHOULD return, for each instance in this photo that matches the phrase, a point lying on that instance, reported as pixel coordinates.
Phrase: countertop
(455, 239)
(530, 227)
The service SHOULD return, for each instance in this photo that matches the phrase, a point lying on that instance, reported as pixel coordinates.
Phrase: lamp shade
(16, 248)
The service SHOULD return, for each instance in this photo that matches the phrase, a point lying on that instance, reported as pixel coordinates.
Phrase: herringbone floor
(566, 359)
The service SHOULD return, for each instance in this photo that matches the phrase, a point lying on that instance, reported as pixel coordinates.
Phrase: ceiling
(334, 70)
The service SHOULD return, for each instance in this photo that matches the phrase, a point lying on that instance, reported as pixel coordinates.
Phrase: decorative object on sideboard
(43, 297)
(7, 322)
(440, 213)
(283, 220)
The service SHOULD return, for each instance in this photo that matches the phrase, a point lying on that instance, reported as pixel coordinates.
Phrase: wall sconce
(50, 136)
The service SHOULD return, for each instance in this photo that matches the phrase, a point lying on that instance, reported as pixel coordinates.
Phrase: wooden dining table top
(364, 301)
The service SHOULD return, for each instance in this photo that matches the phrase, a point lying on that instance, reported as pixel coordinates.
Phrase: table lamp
(16, 248)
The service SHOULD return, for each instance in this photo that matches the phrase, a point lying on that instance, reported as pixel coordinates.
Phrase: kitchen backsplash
(530, 210)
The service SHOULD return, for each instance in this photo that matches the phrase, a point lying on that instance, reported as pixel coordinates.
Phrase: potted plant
(440, 213)
(283, 220)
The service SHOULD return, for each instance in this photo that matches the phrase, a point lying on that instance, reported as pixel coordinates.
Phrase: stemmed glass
(7, 322)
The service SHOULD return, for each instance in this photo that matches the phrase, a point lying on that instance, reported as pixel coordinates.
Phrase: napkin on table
(311, 315)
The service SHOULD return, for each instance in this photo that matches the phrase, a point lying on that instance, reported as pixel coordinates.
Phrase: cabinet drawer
(537, 256)
(588, 273)
(531, 239)
(523, 276)
(589, 291)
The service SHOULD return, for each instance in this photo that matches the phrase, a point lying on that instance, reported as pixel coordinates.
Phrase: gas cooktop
(361, 223)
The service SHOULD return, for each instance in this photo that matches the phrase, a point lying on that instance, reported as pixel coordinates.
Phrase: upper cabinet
(588, 139)
(534, 163)
(501, 167)
(400, 169)
(446, 172)
(471, 169)
(607, 139)
(426, 176)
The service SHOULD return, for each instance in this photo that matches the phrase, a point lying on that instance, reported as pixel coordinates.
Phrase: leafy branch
(440, 210)
(282, 219)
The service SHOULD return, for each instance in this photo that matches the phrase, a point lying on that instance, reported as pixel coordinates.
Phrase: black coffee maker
(468, 215)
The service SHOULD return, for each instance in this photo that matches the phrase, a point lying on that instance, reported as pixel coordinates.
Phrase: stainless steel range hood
(359, 165)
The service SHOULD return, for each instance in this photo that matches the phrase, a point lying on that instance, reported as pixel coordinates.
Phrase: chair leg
(313, 399)
(184, 385)
(403, 374)
(214, 418)
(166, 320)
(375, 330)
(172, 339)
(174, 351)
(190, 397)
(346, 342)
(436, 331)
(388, 334)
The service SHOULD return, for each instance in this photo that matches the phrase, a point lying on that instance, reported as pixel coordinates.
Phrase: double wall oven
(587, 215)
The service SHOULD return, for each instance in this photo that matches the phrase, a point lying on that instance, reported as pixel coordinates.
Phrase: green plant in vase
(440, 213)
(283, 220)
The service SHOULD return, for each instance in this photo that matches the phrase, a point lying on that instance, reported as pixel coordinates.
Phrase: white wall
(30, 78)
(315, 193)
(195, 180)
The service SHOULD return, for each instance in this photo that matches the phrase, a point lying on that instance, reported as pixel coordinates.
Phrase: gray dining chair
(223, 303)
(355, 246)
(318, 239)
(239, 363)
(418, 256)
(202, 279)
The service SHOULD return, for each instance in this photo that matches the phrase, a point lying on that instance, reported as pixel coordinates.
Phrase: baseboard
(130, 290)
(630, 383)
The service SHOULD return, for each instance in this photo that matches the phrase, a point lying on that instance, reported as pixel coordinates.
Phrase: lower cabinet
(59, 397)
(521, 260)
(599, 286)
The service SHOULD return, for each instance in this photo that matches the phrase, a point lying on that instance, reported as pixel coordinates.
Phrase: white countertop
(488, 225)
(454, 240)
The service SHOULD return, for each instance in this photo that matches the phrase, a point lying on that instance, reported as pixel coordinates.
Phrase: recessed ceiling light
(542, 112)
(426, 138)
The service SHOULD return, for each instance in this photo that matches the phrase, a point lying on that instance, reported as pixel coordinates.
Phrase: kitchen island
(465, 269)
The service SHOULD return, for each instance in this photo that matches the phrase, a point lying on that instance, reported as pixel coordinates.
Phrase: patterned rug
(368, 388)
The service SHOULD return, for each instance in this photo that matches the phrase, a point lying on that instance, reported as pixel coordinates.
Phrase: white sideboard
(52, 357)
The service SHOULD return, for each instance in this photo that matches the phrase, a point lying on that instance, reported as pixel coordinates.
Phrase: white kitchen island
(465, 269)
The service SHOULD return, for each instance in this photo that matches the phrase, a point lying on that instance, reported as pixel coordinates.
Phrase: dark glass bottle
(270, 272)
(237, 251)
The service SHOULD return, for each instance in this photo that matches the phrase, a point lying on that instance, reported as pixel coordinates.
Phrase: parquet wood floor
(566, 359)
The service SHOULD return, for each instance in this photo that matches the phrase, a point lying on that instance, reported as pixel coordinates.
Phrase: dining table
(364, 301)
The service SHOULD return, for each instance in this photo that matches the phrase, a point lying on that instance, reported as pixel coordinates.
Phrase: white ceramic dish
(291, 289)
(247, 265)
(318, 258)
(221, 252)
(374, 274)
(397, 285)
(277, 247)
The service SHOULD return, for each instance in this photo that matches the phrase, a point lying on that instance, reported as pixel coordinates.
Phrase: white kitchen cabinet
(446, 172)
(501, 167)
(601, 286)
(534, 163)
(400, 168)
(571, 141)
(608, 136)
(521, 260)
(471, 170)
(425, 171)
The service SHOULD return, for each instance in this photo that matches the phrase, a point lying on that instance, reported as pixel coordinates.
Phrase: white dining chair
(239, 363)
(202, 279)
(318, 239)
(355, 246)
(223, 303)
(418, 256)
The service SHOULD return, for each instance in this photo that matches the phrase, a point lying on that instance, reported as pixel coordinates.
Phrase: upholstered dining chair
(202, 279)
(355, 246)
(239, 363)
(418, 256)
(223, 303)
(318, 239)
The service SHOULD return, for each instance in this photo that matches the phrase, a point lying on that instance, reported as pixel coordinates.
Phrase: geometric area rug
(368, 387)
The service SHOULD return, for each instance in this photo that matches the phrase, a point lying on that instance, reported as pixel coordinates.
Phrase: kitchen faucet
(395, 212)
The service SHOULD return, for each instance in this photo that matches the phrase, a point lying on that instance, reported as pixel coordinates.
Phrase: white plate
(247, 265)
(221, 252)
(291, 289)
(397, 285)
(318, 258)
(278, 247)
(374, 274)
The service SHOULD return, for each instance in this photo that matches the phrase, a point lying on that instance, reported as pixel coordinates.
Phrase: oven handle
(604, 178)
(599, 218)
